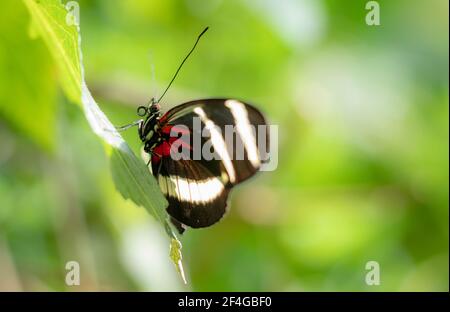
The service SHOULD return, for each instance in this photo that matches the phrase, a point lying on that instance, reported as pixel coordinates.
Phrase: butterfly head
(153, 108)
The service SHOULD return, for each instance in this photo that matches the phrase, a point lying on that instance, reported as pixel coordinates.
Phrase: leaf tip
(176, 257)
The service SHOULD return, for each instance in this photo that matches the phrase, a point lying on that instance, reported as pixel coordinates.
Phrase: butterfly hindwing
(196, 197)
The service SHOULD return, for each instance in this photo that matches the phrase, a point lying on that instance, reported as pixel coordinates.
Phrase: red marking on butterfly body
(170, 141)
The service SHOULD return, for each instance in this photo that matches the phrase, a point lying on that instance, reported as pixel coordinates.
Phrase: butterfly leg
(150, 160)
(123, 128)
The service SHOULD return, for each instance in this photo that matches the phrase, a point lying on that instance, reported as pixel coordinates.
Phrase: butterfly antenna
(153, 75)
(181, 65)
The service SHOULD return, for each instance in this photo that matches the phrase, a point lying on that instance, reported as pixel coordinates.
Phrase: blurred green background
(363, 146)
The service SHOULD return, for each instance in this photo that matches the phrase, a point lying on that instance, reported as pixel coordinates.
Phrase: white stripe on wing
(218, 142)
(245, 130)
(195, 191)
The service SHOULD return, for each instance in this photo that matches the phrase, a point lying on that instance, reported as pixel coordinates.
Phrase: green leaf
(49, 20)
(130, 174)
(27, 102)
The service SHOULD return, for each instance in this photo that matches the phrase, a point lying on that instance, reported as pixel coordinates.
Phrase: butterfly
(198, 151)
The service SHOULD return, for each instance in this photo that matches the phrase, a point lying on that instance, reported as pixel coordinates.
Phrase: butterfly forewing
(240, 156)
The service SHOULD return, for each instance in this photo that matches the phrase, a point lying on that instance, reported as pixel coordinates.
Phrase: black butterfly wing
(196, 197)
(197, 187)
(238, 155)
